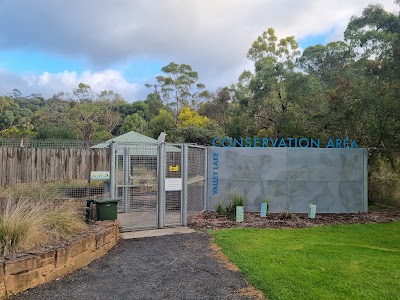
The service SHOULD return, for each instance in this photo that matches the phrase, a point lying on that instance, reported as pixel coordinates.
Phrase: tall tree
(83, 93)
(84, 117)
(134, 122)
(274, 62)
(327, 62)
(88, 116)
(178, 86)
(7, 116)
(163, 122)
(376, 35)
(218, 107)
(188, 117)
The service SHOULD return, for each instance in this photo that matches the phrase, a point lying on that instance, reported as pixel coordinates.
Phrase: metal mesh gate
(197, 179)
(173, 178)
(157, 184)
(136, 184)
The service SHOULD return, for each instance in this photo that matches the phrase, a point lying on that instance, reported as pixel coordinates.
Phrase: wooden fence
(25, 165)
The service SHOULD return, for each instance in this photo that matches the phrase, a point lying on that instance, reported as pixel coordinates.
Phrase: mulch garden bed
(210, 220)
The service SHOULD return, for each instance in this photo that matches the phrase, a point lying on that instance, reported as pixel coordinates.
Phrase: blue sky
(122, 44)
(21, 61)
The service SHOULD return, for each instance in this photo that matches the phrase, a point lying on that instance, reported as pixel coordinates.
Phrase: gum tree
(178, 86)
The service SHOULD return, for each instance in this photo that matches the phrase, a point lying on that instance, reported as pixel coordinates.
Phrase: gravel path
(178, 266)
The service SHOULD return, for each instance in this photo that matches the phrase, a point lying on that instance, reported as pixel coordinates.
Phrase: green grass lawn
(328, 262)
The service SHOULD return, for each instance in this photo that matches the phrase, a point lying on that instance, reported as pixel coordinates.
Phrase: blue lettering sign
(215, 180)
(330, 144)
(273, 143)
(282, 143)
(316, 144)
(303, 142)
(265, 142)
(353, 144)
(214, 141)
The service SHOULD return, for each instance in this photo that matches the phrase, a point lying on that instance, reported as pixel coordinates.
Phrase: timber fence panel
(1, 164)
(29, 165)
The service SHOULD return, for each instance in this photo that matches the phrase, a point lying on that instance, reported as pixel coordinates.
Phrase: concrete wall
(334, 179)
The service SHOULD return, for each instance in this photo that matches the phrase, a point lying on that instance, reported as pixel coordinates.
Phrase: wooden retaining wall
(25, 165)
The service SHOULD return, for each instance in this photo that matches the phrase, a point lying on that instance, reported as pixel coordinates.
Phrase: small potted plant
(264, 208)
(239, 204)
(312, 210)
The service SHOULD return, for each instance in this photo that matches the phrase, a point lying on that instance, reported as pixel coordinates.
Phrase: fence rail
(30, 165)
(23, 142)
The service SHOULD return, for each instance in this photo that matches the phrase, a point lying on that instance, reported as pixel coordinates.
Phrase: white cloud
(212, 36)
(51, 83)
(198, 30)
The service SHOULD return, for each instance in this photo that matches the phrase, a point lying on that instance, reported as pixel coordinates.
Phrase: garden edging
(27, 270)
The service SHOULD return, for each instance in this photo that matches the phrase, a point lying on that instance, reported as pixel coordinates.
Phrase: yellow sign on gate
(174, 168)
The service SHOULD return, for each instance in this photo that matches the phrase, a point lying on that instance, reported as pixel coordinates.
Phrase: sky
(49, 46)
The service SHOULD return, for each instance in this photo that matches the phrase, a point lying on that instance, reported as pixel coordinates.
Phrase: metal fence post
(126, 172)
(185, 162)
(287, 178)
(161, 185)
(365, 191)
(113, 174)
(205, 206)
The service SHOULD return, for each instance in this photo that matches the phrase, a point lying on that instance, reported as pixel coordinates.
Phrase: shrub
(63, 221)
(220, 210)
(230, 210)
(227, 208)
(238, 199)
(286, 213)
(384, 182)
(21, 227)
(25, 224)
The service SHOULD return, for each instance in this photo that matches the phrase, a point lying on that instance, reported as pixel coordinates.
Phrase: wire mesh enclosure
(158, 184)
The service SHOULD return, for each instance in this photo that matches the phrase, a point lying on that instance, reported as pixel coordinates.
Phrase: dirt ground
(209, 220)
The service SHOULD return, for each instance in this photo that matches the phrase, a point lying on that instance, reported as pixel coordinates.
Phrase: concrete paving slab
(155, 232)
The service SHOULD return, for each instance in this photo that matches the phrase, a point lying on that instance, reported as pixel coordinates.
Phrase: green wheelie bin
(106, 209)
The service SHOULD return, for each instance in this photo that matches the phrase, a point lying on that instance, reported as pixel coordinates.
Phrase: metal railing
(23, 142)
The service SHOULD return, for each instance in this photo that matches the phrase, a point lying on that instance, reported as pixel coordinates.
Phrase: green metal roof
(129, 137)
(140, 144)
